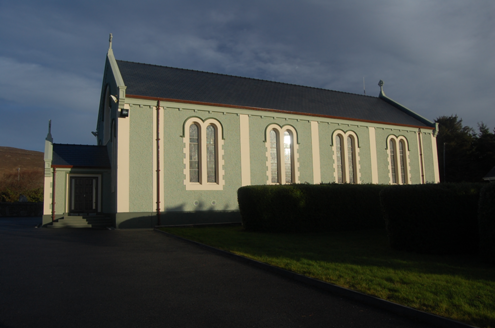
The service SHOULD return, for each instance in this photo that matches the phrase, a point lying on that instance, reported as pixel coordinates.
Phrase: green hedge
(434, 219)
(10, 196)
(486, 219)
(304, 207)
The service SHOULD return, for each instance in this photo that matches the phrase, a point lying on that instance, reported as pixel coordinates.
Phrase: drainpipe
(420, 140)
(53, 194)
(158, 162)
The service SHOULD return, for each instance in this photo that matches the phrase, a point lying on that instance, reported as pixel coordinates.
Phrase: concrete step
(57, 225)
(102, 220)
(99, 221)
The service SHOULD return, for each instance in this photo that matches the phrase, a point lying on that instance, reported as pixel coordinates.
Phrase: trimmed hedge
(486, 219)
(432, 219)
(310, 208)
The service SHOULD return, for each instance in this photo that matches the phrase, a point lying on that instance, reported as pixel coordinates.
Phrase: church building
(174, 145)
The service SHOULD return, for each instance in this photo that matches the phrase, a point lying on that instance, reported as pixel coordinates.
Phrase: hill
(27, 180)
(13, 158)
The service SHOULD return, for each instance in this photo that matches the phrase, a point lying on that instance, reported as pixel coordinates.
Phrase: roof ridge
(248, 78)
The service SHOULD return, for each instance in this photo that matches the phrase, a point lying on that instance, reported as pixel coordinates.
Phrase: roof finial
(49, 135)
(381, 83)
(110, 40)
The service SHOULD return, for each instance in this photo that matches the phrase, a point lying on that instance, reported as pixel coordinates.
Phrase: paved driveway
(141, 278)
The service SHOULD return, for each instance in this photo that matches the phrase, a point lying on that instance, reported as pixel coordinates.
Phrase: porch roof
(80, 156)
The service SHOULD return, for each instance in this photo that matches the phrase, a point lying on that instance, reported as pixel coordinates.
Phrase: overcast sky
(435, 57)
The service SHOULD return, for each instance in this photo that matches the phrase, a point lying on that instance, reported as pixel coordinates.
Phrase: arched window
(194, 153)
(274, 154)
(345, 157)
(203, 154)
(281, 154)
(351, 149)
(402, 161)
(398, 160)
(393, 161)
(340, 159)
(211, 157)
(288, 156)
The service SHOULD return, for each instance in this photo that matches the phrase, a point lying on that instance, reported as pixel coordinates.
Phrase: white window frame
(280, 146)
(345, 161)
(203, 184)
(407, 162)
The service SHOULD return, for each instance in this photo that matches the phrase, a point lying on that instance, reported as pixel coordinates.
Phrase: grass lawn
(461, 288)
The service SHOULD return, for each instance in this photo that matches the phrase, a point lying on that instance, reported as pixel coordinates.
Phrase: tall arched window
(204, 152)
(402, 161)
(345, 157)
(340, 159)
(194, 153)
(211, 153)
(274, 154)
(398, 160)
(393, 161)
(351, 149)
(281, 154)
(288, 156)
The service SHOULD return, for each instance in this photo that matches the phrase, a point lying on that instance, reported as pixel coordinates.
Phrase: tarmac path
(141, 278)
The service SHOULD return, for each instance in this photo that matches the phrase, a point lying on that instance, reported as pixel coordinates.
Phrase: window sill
(208, 186)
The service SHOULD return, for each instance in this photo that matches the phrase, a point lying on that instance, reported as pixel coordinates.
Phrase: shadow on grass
(363, 248)
(458, 287)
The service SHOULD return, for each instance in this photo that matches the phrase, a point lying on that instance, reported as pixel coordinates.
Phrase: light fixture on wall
(115, 100)
(124, 112)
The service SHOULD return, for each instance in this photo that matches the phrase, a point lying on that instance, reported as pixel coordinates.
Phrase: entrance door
(84, 195)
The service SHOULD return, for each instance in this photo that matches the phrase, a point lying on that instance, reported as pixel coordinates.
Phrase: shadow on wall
(176, 215)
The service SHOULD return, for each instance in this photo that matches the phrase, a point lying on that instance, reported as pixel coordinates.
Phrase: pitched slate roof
(189, 85)
(80, 156)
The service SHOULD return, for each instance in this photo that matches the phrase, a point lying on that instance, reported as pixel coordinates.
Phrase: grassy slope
(460, 288)
(13, 158)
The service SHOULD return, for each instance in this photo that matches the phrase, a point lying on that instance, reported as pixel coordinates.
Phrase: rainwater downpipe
(420, 140)
(158, 162)
(53, 194)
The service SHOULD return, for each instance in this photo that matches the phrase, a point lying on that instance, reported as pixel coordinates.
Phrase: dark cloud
(435, 57)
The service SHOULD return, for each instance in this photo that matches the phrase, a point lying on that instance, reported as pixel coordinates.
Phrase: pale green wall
(177, 199)
(141, 159)
(412, 139)
(305, 149)
(326, 153)
(428, 158)
(257, 147)
(60, 190)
